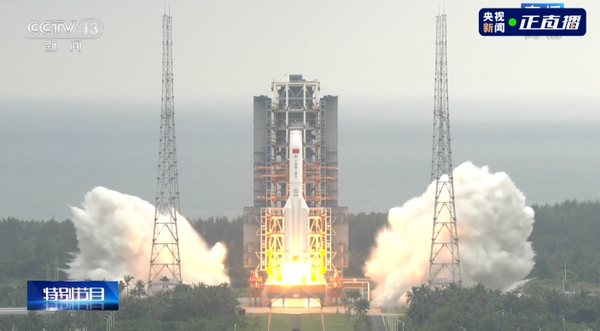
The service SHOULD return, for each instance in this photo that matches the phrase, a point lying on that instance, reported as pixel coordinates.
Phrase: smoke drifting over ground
(115, 231)
(493, 226)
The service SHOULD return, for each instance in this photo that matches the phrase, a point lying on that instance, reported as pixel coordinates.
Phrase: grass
(279, 322)
(333, 322)
(310, 322)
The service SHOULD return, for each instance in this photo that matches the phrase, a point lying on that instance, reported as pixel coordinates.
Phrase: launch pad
(272, 253)
(304, 287)
(296, 295)
(295, 235)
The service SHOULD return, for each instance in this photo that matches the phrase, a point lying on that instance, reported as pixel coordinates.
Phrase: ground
(282, 322)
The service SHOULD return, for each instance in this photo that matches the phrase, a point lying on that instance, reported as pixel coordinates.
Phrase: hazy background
(73, 121)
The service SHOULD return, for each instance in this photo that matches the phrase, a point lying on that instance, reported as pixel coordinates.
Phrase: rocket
(295, 211)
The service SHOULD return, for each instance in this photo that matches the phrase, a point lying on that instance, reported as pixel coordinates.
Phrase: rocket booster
(295, 211)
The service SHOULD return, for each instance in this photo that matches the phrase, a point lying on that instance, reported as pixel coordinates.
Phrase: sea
(52, 152)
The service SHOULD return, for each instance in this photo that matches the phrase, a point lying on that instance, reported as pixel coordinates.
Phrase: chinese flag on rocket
(296, 151)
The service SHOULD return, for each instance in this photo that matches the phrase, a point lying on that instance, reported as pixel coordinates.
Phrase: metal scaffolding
(165, 262)
(444, 259)
(272, 240)
(295, 105)
(272, 227)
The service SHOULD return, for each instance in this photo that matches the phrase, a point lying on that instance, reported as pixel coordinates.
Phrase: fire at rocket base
(295, 210)
(299, 271)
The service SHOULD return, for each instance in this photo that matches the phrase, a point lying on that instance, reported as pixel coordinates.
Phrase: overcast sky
(378, 56)
(235, 48)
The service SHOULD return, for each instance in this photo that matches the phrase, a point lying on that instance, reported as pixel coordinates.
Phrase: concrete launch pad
(296, 295)
(296, 291)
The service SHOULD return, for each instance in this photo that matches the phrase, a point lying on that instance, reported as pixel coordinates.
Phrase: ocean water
(52, 153)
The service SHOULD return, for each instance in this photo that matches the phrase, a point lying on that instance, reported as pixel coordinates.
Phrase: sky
(377, 56)
(234, 49)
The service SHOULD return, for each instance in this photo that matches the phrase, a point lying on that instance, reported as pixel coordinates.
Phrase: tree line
(185, 307)
(563, 232)
(479, 308)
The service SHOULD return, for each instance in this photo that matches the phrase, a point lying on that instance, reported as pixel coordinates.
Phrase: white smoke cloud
(115, 232)
(493, 226)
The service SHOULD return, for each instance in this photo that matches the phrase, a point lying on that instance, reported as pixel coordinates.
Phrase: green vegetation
(333, 322)
(278, 321)
(362, 321)
(196, 307)
(28, 247)
(355, 318)
(478, 308)
(566, 232)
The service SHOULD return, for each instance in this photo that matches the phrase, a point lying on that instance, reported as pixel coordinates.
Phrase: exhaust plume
(493, 227)
(115, 232)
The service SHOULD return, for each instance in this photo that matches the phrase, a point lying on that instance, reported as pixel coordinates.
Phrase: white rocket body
(295, 211)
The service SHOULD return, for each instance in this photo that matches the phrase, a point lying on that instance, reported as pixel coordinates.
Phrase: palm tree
(80, 320)
(127, 279)
(32, 322)
(421, 296)
(121, 287)
(62, 320)
(7, 322)
(347, 309)
(480, 297)
(362, 321)
(165, 280)
(158, 306)
(509, 300)
(140, 289)
(554, 300)
(410, 297)
(353, 295)
(362, 307)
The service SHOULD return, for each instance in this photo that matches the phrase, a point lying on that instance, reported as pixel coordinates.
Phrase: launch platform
(297, 293)
(295, 233)
(310, 295)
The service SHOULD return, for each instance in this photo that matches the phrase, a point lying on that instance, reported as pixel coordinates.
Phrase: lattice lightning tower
(165, 260)
(444, 260)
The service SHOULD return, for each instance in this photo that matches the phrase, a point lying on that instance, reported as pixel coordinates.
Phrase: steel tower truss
(165, 262)
(295, 106)
(444, 259)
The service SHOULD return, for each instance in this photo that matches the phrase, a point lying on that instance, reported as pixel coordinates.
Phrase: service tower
(295, 235)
